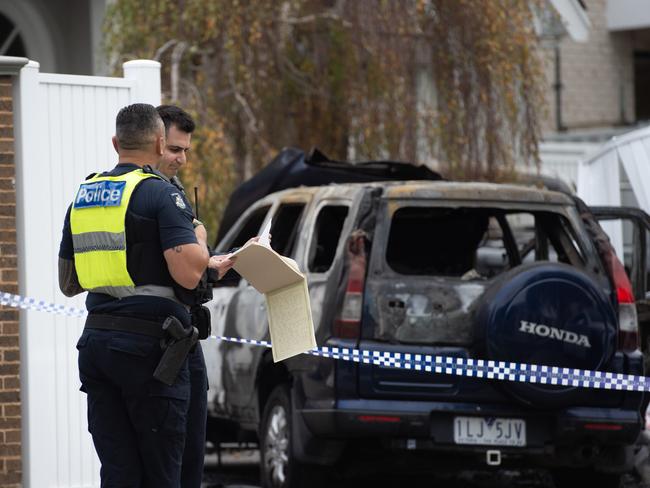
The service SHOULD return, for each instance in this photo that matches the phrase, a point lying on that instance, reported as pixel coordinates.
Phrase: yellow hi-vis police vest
(98, 222)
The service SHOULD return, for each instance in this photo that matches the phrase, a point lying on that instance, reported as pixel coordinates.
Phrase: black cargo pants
(137, 423)
(194, 454)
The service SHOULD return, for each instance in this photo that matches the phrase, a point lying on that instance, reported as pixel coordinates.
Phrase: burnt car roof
(447, 190)
(293, 168)
(474, 191)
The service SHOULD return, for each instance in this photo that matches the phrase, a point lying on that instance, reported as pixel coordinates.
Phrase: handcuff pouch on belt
(178, 342)
(201, 320)
(199, 295)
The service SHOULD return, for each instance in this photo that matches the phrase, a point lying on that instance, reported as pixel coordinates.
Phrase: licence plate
(493, 431)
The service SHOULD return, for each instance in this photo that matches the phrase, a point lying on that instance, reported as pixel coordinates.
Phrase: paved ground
(240, 469)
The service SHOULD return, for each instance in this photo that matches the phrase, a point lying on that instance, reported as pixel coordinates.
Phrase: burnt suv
(463, 270)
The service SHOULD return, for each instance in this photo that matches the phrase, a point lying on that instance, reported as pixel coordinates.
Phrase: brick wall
(597, 76)
(10, 430)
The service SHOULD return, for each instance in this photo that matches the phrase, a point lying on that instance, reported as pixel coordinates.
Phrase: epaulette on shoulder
(149, 170)
(91, 175)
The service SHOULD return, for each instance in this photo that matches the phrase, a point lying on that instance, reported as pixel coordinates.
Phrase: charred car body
(463, 270)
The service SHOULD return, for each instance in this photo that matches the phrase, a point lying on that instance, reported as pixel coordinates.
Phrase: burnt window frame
(562, 211)
(232, 278)
(639, 254)
(291, 246)
(565, 241)
(313, 237)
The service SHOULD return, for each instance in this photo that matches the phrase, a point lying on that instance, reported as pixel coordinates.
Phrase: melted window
(249, 229)
(326, 235)
(284, 229)
(476, 243)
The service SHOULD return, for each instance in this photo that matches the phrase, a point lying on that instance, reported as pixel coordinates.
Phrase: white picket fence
(63, 129)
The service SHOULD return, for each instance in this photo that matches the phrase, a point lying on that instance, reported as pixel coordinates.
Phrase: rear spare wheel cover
(547, 314)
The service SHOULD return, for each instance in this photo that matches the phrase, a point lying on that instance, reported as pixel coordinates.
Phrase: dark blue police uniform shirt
(154, 199)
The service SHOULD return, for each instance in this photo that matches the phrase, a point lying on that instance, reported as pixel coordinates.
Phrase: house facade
(48, 31)
(595, 88)
(599, 82)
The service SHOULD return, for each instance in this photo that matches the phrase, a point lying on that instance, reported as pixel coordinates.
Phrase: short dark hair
(173, 115)
(137, 125)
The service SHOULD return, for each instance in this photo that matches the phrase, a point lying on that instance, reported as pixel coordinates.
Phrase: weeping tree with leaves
(456, 84)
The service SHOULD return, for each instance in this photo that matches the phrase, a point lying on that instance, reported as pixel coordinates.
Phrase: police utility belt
(175, 339)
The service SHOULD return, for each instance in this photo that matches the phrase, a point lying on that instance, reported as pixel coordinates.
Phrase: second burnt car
(463, 270)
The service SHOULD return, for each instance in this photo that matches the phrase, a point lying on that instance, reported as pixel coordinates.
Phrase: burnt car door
(225, 294)
(322, 242)
(636, 236)
(244, 312)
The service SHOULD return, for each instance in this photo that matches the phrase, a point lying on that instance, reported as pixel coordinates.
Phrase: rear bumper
(434, 420)
(577, 435)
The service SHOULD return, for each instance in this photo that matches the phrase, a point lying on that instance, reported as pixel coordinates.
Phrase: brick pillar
(10, 420)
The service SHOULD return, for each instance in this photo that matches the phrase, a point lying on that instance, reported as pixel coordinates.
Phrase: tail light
(604, 427)
(379, 419)
(628, 325)
(348, 323)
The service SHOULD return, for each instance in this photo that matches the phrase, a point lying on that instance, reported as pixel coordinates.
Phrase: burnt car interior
(473, 243)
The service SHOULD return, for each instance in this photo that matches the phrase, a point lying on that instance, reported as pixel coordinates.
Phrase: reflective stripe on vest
(98, 224)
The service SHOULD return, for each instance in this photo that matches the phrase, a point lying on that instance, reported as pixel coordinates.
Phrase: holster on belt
(178, 342)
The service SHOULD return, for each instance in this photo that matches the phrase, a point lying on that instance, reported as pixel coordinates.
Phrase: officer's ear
(160, 145)
(116, 144)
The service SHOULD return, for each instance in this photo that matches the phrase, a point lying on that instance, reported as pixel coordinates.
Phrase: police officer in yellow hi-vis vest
(130, 241)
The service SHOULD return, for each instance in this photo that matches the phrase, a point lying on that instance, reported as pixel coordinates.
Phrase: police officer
(178, 134)
(128, 239)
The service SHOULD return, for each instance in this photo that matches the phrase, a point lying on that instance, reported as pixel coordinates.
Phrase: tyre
(572, 478)
(278, 465)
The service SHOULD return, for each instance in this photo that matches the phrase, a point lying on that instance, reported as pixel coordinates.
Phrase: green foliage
(452, 83)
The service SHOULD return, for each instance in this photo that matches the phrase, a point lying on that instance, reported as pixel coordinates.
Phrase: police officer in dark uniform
(178, 135)
(129, 240)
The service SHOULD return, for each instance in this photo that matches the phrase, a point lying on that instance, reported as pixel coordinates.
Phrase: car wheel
(278, 466)
(570, 478)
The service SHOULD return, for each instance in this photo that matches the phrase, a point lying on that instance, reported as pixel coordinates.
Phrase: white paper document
(287, 297)
(264, 236)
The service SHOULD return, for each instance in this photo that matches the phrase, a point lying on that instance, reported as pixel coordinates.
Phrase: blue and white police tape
(16, 301)
(467, 367)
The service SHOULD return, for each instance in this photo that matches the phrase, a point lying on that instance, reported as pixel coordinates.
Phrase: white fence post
(146, 77)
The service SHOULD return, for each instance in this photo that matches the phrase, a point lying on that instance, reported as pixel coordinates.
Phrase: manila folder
(287, 298)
